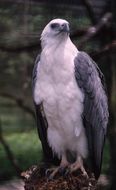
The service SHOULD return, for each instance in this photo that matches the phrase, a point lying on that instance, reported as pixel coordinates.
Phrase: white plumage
(57, 89)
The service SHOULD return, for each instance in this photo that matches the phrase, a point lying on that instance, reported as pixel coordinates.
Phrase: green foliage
(106, 157)
(25, 147)
(13, 118)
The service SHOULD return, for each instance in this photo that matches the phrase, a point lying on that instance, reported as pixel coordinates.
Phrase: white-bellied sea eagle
(70, 101)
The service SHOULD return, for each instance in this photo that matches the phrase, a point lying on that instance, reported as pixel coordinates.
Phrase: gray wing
(42, 122)
(95, 115)
(34, 73)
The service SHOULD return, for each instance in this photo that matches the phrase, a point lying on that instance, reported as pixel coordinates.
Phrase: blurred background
(93, 29)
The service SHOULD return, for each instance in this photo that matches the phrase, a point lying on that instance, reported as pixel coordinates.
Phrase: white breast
(62, 99)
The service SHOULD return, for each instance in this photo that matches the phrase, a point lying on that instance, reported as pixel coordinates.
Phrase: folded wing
(95, 115)
(42, 124)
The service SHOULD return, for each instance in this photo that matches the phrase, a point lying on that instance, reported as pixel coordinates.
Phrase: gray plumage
(95, 115)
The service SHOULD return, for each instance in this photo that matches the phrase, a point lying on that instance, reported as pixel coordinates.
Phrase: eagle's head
(55, 30)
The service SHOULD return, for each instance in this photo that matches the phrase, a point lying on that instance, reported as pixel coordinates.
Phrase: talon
(78, 165)
(50, 178)
(85, 174)
(62, 170)
(67, 172)
(51, 173)
(48, 172)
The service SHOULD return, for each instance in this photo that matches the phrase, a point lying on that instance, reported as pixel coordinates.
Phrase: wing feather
(95, 115)
(42, 124)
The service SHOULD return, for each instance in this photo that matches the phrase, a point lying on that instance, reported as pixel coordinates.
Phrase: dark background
(21, 23)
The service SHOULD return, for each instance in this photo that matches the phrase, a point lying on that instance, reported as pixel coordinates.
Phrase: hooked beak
(64, 28)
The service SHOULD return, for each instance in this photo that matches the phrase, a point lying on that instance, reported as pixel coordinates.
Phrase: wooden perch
(35, 179)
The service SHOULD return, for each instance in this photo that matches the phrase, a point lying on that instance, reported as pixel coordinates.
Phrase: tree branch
(78, 33)
(35, 45)
(35, 178)
(20, 102)
(17, 49)
(90, 11)
(109, 47)
(94, 30)
(87, 35)
(9, 153)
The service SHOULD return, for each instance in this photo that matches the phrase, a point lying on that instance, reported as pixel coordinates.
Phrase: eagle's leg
(78, 165)
(60, 169)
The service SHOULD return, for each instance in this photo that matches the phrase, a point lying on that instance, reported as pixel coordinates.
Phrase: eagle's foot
(78, 165)
(53, 172)
(61, 170)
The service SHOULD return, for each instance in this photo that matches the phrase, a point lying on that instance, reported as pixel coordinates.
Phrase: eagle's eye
(54, 25)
